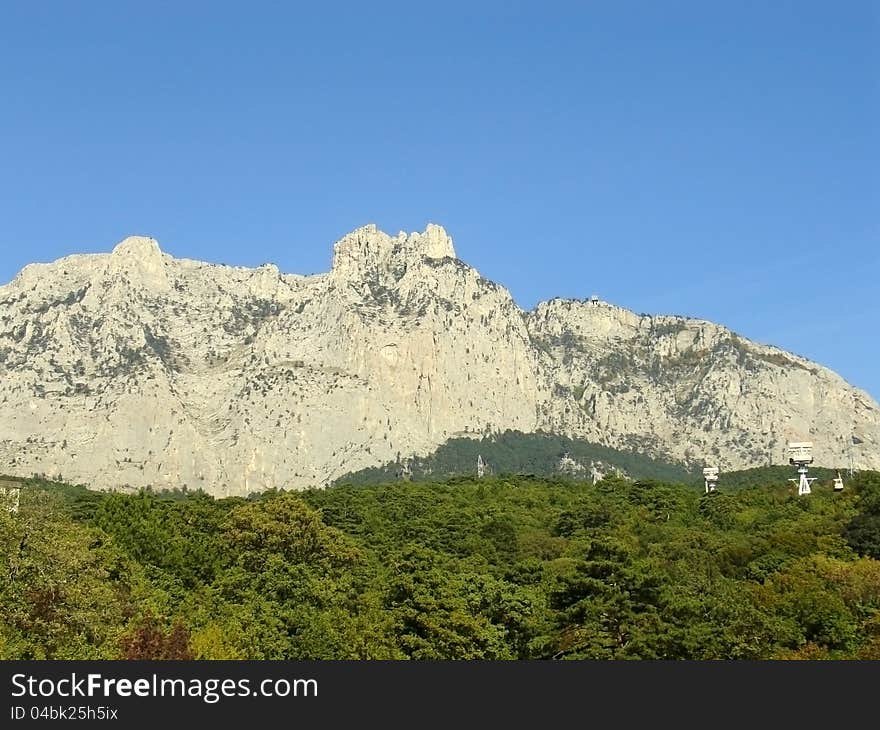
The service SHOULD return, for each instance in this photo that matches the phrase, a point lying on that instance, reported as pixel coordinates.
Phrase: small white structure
(481, 467)
(710, 477)
(838, 483)
(800, 454)
(10, 497)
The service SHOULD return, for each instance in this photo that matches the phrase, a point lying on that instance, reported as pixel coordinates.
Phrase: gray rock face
(134, 368)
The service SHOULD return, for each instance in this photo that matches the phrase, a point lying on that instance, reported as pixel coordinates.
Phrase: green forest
(504, 567)
(515, 452)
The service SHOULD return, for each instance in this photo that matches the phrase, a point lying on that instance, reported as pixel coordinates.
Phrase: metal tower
(800, 454)
(710, 477)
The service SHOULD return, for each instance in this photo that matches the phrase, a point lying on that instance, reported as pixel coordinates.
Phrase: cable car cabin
(838, 483)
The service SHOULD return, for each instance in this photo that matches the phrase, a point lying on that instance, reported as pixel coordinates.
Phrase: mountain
(134, 368)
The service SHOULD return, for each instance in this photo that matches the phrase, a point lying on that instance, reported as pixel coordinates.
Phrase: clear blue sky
(714, 159)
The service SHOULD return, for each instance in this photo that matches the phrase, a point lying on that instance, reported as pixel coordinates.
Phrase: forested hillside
(515, 452)
(498, 568)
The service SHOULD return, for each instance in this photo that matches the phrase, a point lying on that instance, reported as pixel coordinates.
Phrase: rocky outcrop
(134, 368)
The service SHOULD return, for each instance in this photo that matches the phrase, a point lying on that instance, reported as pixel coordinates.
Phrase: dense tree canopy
(496, 568)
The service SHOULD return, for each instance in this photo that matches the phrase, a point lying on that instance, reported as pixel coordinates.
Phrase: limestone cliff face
(134, 368)
(694, 391)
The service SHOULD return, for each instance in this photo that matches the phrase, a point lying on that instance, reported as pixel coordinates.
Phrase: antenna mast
(852, 441)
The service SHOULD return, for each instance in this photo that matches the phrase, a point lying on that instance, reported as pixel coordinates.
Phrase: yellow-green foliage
(498, 568)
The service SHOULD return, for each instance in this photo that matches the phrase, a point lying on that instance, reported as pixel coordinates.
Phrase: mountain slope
(136, 368)
(512, 453)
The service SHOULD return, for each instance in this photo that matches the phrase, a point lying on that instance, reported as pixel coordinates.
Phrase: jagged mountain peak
(134, 367)
(140, 262)
(365, 251)
(140, 247)
(436, 241)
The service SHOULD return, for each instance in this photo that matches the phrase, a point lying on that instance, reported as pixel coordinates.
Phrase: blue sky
(713, 159)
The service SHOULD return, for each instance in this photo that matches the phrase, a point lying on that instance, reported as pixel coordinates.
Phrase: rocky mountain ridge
(135, 368)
